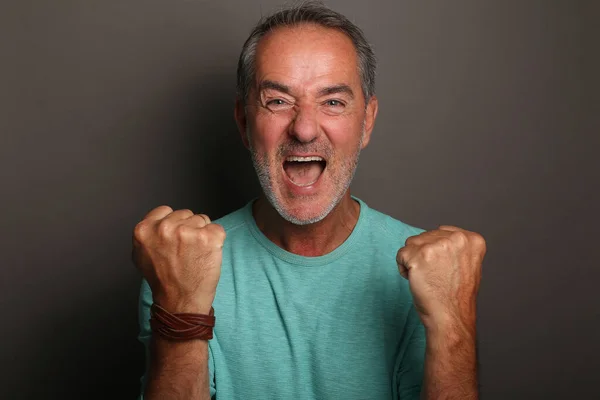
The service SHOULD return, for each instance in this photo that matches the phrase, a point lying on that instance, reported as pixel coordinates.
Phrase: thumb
(401, 260)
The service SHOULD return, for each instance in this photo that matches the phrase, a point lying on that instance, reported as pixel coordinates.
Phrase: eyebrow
(280, 87)
(326, 91)
(341, 88)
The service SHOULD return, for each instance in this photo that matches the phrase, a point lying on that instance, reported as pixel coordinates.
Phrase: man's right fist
(179, 253)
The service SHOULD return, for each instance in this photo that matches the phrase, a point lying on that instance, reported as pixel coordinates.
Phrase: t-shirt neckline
(296, 259)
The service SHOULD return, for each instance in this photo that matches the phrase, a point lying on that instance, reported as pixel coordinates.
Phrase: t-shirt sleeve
(211, 373)
(145, 302)
(411, 359)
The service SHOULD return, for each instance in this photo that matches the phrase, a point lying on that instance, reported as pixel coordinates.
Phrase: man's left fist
(443, 268)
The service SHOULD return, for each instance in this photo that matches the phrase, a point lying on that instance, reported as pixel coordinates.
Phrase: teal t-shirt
(338, 326)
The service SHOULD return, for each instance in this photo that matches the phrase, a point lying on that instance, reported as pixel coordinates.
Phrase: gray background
(488, 121)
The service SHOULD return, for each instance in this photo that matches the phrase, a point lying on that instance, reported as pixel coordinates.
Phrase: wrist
(182, 304)
(450, 330)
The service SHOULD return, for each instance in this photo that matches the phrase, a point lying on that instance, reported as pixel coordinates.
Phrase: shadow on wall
(88, 348)
(217, 165)
(89, 351)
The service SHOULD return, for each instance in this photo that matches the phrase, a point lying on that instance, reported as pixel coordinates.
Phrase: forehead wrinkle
(320, 52)
(339, 88)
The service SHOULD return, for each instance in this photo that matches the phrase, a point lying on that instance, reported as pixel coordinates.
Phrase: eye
(334, 103)
(334, 107)
(277, 103)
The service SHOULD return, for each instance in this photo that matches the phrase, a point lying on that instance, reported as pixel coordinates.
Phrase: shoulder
(234, 220)
(388, 228)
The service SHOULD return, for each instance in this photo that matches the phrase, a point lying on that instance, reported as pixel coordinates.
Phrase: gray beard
(262, 168)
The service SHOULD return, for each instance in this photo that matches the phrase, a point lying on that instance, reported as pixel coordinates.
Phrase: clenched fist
(179, 253)
(443, 268)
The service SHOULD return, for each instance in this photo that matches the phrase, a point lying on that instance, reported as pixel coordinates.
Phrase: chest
(321, 329)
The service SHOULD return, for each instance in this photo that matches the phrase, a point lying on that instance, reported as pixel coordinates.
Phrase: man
(316, 295)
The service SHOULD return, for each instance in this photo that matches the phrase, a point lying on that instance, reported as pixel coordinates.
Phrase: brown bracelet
(181, 326)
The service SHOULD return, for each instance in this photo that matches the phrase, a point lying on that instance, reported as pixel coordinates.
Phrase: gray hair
(314, 12)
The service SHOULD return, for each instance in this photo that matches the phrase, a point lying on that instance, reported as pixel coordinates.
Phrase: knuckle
(139, 231)
(479, 241)
(400, 257)
(459, 238)
(448, 227)
(181, 231)
(164, 208)
(477, 238)
(428, 251)
(411, 240)
(445, 243)
(220, 231)
(217, 234)
(202, 236)
(164, 229)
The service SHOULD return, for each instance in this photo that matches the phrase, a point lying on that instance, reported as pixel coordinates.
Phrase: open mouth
(304, 171)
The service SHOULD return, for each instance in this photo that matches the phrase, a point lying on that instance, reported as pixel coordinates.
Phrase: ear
(371, 114)
(239, 113)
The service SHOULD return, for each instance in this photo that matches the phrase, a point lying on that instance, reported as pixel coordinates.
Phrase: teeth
(303, 159)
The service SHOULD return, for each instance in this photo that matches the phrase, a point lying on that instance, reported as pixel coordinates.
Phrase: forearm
(178, 370)
(450, 364)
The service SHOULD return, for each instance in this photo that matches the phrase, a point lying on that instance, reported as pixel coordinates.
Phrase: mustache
(299, 147)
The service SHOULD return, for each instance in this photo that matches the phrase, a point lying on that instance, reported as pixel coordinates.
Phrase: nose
(305, 127)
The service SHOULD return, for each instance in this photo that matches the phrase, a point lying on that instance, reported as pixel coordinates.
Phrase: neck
(308, 240)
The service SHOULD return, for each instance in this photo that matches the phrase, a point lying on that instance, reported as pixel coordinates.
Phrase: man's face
(305, 120)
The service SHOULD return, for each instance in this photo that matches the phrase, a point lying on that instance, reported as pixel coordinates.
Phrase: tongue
(303, 173)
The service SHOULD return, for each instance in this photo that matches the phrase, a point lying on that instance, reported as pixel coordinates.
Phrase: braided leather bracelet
(181, 326)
